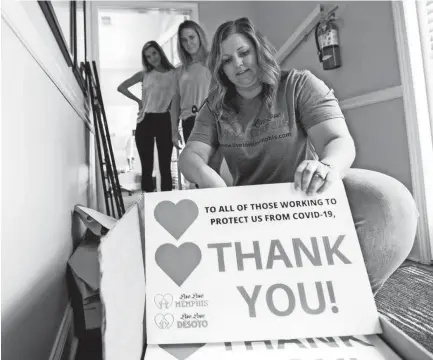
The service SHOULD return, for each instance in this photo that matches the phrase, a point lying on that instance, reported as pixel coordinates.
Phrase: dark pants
(155, 126)
(187, 126)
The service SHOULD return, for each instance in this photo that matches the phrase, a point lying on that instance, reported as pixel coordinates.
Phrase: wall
(214, 13)
(370, 63)
(45, 173)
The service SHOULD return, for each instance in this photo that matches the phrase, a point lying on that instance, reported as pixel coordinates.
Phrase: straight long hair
(203, 51)
(166, 64)
(223, 91)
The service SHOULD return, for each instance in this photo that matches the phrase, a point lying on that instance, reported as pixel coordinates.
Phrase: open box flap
(122, 287)
(98, 223)
(84, 264)
(407, 347)
(84, 261)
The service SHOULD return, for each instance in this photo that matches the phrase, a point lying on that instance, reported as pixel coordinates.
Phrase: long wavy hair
(223, 91)
(203, 51)
(166, 64)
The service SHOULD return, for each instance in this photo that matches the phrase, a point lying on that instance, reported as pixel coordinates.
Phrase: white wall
(45, 173)
(214, 13)
(369, 63)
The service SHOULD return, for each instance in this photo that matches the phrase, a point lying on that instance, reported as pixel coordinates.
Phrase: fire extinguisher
(327, 44)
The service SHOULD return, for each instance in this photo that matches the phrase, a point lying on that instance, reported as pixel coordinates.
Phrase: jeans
(385, 217)
(155, 126)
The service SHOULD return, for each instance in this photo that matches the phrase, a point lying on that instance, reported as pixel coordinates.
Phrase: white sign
(330, 348)
(252, 263)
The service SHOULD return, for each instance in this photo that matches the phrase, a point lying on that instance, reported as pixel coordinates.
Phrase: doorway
(119, 32)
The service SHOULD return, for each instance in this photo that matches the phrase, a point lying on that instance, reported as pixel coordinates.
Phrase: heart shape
(178, 262)
(176, 218)
(181, 351)
(163, 301)
(164, 321)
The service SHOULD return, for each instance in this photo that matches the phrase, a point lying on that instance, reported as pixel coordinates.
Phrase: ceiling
(122, 34)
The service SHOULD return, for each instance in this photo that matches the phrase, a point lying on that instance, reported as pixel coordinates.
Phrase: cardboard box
(83, 271)
(123, 289)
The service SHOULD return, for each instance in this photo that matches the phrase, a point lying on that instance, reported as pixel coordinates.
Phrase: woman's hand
(176, 139)
(314, 177)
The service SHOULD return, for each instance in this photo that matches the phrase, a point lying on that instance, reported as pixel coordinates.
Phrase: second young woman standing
(192, 78)
(153, 122)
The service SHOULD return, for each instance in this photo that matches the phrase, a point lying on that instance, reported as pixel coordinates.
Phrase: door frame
(131, 5)
(418, 125)
(93, 50)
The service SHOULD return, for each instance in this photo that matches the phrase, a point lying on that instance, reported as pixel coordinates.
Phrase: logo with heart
(178, 262)
(163, 301)
(176, 218)
(181, 351)
(164, 321)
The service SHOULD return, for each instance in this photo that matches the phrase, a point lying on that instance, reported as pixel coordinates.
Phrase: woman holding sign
(277, 126)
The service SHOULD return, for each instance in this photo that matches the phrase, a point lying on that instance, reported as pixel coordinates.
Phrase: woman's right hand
(176, 139)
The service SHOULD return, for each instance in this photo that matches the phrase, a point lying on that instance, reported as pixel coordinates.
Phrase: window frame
(70, 55)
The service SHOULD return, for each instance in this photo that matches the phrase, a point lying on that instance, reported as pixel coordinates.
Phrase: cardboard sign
(252, 263)
(330, 348)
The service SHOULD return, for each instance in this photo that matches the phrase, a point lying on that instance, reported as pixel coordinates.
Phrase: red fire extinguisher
(328, 48)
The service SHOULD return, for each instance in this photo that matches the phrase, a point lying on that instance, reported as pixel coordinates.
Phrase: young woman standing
(192, 78)
(153, 122)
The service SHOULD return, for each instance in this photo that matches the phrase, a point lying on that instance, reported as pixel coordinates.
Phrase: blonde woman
(192, 78)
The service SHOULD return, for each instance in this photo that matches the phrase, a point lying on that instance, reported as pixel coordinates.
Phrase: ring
(319, 175)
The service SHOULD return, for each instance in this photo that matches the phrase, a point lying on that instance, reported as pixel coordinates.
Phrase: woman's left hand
(313, 177)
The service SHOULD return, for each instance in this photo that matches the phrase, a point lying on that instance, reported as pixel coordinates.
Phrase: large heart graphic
(176, 218)
(178, 262)
(164, 321)
(181, 351)
(163, 301)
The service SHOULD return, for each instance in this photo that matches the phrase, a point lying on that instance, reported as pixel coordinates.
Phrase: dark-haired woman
(154, 120)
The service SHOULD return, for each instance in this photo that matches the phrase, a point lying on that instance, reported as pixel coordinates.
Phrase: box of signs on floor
(84, 273)
(245, 273)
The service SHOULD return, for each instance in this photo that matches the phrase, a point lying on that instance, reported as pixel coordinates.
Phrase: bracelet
(327, 165)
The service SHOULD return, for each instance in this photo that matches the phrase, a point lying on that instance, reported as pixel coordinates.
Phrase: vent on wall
(106, 20)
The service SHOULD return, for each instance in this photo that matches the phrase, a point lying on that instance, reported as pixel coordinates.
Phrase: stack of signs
(257, 272)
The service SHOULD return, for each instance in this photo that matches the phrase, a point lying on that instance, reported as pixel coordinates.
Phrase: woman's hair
(203, 51)
(222, 92)
(166, 64)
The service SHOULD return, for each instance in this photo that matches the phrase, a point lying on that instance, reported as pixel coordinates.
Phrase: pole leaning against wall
(107, 163)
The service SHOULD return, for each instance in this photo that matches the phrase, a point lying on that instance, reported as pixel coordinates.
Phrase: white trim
(167, 34)
(299, 34)
(62, 335)
(417, 119)
(372, 98)
(427, 53)
(21, 25)
(74, 348)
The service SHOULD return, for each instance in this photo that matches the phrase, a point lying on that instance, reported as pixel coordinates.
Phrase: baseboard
(65, 346)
